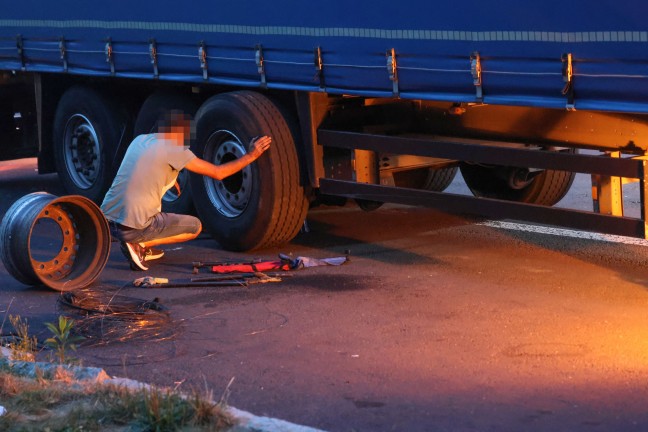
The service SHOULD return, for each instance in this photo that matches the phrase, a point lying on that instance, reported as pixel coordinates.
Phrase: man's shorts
(163, 225)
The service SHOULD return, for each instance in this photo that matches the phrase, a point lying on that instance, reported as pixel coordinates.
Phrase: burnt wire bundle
(104, 316)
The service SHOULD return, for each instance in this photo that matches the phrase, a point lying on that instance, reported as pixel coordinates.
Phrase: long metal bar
(492, 208)
(482, 152)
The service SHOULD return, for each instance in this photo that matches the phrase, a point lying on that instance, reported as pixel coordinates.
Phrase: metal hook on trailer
(476, 71)
(261, 65)
(392, 69)
(154, 57)
(568, 77)
(109, 56)
(63, 52)
(202, 55)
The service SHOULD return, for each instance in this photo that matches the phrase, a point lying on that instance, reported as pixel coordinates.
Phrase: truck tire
(88, 130)
(368, 205)
(264, 204)
(436, 180)
(152, 109)
(439, 179)
(547, 188)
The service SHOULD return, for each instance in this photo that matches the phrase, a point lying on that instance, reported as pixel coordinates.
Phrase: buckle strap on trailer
(319, 68)
(63, 53)
(260, 65)
(476, 71)
(202, 56)
(154, 57)
(109, 56)
(21, 51)
(392, 69)
(568, 77)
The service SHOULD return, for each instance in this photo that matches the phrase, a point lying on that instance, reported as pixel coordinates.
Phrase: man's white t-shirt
(150, 168)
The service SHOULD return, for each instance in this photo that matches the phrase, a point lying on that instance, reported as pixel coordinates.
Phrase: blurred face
(179, 131)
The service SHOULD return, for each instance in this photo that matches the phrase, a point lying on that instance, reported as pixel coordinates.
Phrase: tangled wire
(104, 316)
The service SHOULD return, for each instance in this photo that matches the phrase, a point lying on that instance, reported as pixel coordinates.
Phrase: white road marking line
(609, 238)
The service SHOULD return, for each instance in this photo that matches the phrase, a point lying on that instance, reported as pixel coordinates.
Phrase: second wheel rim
(82, 151)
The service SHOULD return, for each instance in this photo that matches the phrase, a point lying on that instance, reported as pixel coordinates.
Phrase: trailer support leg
(366, 166)
(607, 192)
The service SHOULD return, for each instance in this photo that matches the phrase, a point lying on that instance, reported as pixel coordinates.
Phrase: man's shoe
(134, 253)
(151, 254)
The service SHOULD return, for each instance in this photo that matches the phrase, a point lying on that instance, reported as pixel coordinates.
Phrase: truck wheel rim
(82, 151)
(229, 196)
(81, 241)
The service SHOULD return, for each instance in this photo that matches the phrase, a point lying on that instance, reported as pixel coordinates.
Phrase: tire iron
(233, 282)
(235, 276)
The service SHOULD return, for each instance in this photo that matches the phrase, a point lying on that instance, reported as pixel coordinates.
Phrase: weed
(8, 385)
(25, 345)
(203, 407)
(63, 406)
(163, 411)
(63, 340)
(4, 319)
(8, 422)
(39, 375)
(207, 412)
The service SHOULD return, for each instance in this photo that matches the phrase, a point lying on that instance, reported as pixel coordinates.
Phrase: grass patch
(50, 399)
(62, 405)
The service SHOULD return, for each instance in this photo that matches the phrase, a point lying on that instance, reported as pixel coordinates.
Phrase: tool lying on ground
(152, 282)
(242, 267)
(284, 263)
(197, 265)
(234, 276)
(149, 280)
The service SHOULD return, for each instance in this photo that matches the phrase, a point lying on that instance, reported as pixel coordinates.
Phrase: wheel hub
(231, 195)
(82, 151)
(61, 264)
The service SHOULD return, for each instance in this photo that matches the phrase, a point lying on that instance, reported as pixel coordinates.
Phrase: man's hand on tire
(259, 145)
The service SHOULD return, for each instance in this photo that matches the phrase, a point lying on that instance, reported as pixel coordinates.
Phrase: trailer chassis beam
(607, 218)
(478, 151)
(487, 207)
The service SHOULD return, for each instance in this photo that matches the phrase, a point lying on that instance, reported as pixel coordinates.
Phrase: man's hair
(172, 118)
(177, 118)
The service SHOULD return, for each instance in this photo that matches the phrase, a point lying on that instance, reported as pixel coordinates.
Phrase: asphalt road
(438, 323)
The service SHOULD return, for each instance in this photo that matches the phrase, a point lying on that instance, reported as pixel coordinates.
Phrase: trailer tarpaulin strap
(568, 77)
(283, 263)
(476, 71)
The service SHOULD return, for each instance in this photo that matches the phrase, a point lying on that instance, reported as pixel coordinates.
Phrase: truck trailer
(373, 101)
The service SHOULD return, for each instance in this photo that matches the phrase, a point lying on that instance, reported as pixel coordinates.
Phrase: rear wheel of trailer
(264, 204)
(90, 132)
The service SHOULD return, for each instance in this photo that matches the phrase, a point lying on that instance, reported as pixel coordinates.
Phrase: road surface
(438, 323)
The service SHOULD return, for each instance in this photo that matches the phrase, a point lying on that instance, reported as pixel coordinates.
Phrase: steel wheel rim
(82, 151)
(84, 248)
(60, 265)
(229, 196)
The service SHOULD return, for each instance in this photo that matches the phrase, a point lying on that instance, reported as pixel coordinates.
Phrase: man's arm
(219, 172)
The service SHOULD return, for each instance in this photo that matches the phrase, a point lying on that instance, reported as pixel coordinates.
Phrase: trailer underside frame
(606, 172)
